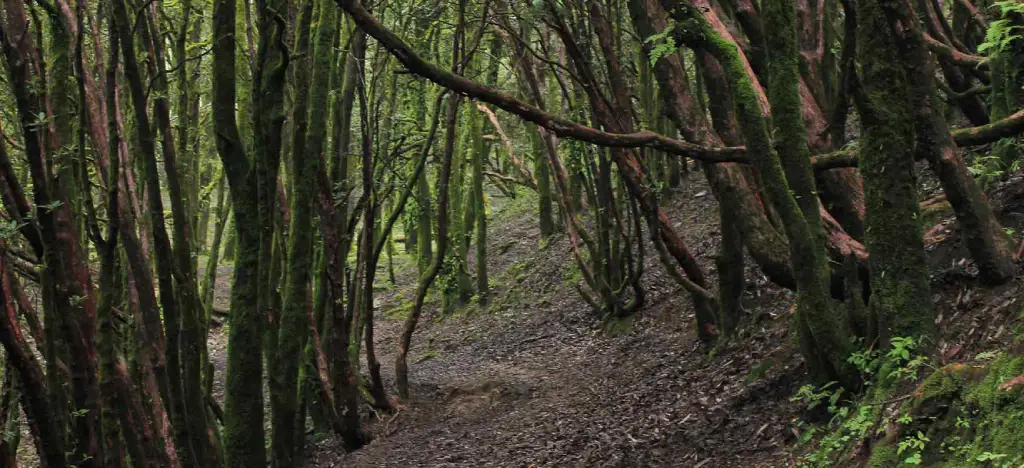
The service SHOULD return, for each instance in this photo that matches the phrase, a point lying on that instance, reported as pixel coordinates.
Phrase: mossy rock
(969, 415)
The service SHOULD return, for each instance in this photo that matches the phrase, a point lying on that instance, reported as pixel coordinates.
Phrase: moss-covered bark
(1008, 86)
(243, 399)
(307, 144)
(178, 298)
(900, 295)
(988, 244)
(19, 357)
(545, 205)
(971, 416)
(68, 297)
(444, 177)
(481, 151)
(186, 290)
(825, 342)
(736, 186)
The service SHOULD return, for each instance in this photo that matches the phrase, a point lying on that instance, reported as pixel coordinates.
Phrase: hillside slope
(537, 379)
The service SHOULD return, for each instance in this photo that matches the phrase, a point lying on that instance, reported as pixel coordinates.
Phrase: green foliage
(663, 44)
(846, 429)
(990, 168)
(865, 361)
(916, 444)
(987, 355)
(1002, 32)
(814, 396)
(52, 205)
(905, 364)
(855, 419)
(9, 229)
(901, 348)
(989, 456)
(959, 416)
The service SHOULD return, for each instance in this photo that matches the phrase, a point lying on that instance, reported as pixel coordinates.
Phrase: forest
(440, 233)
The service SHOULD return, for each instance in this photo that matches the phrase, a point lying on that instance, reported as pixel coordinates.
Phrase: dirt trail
(537, 380)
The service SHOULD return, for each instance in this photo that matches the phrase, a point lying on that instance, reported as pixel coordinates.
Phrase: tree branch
(1010, 126)
(955, 56)
(560, 127)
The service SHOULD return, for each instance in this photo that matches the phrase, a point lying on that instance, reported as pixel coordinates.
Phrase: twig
(536, 338)
(387, 425)
(894, 400)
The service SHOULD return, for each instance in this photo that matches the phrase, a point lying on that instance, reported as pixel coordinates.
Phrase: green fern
(1002, 32)
(664, 44)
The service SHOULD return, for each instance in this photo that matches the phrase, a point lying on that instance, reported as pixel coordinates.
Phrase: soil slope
(539, 380)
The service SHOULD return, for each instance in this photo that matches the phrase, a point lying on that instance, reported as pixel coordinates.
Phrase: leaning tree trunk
(428, 276)
(823, 338)
(988, 244)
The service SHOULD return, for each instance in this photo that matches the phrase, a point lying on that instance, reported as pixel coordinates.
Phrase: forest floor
(537, 379)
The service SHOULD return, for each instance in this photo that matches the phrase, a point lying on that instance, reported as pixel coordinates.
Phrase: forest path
(538, 380)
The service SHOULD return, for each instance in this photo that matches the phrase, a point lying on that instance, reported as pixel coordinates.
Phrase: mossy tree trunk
(66, 288)
(336, 228)
(243, 404)
(312, 80)
(444, 176)
(481, 149)
(687, 115)
(186, 290)
(1008, 86)
(824, 340)
(989, 246)
(900, 296)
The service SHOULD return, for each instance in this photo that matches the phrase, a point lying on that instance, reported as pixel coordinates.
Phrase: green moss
(427, 356)
(618, 326)
(824, 343)
(966, 416)
(997, 408)
(935, 213)
(898, 263)
(758, 371)
(400, 312)
(884, 456)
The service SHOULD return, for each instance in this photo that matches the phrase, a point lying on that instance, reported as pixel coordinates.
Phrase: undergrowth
(914, 412)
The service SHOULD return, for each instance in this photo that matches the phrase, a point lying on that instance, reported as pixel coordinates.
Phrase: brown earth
(538, 379)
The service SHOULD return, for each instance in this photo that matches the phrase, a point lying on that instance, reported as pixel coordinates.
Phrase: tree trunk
(900, 296)
(243, 400)
(305, 159)
(428, 276)
(988, 244)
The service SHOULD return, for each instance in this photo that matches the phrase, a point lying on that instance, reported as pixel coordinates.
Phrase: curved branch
(834, 160)
(1010, 126)
(955, 56)
(560, 127)
(975, 14)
